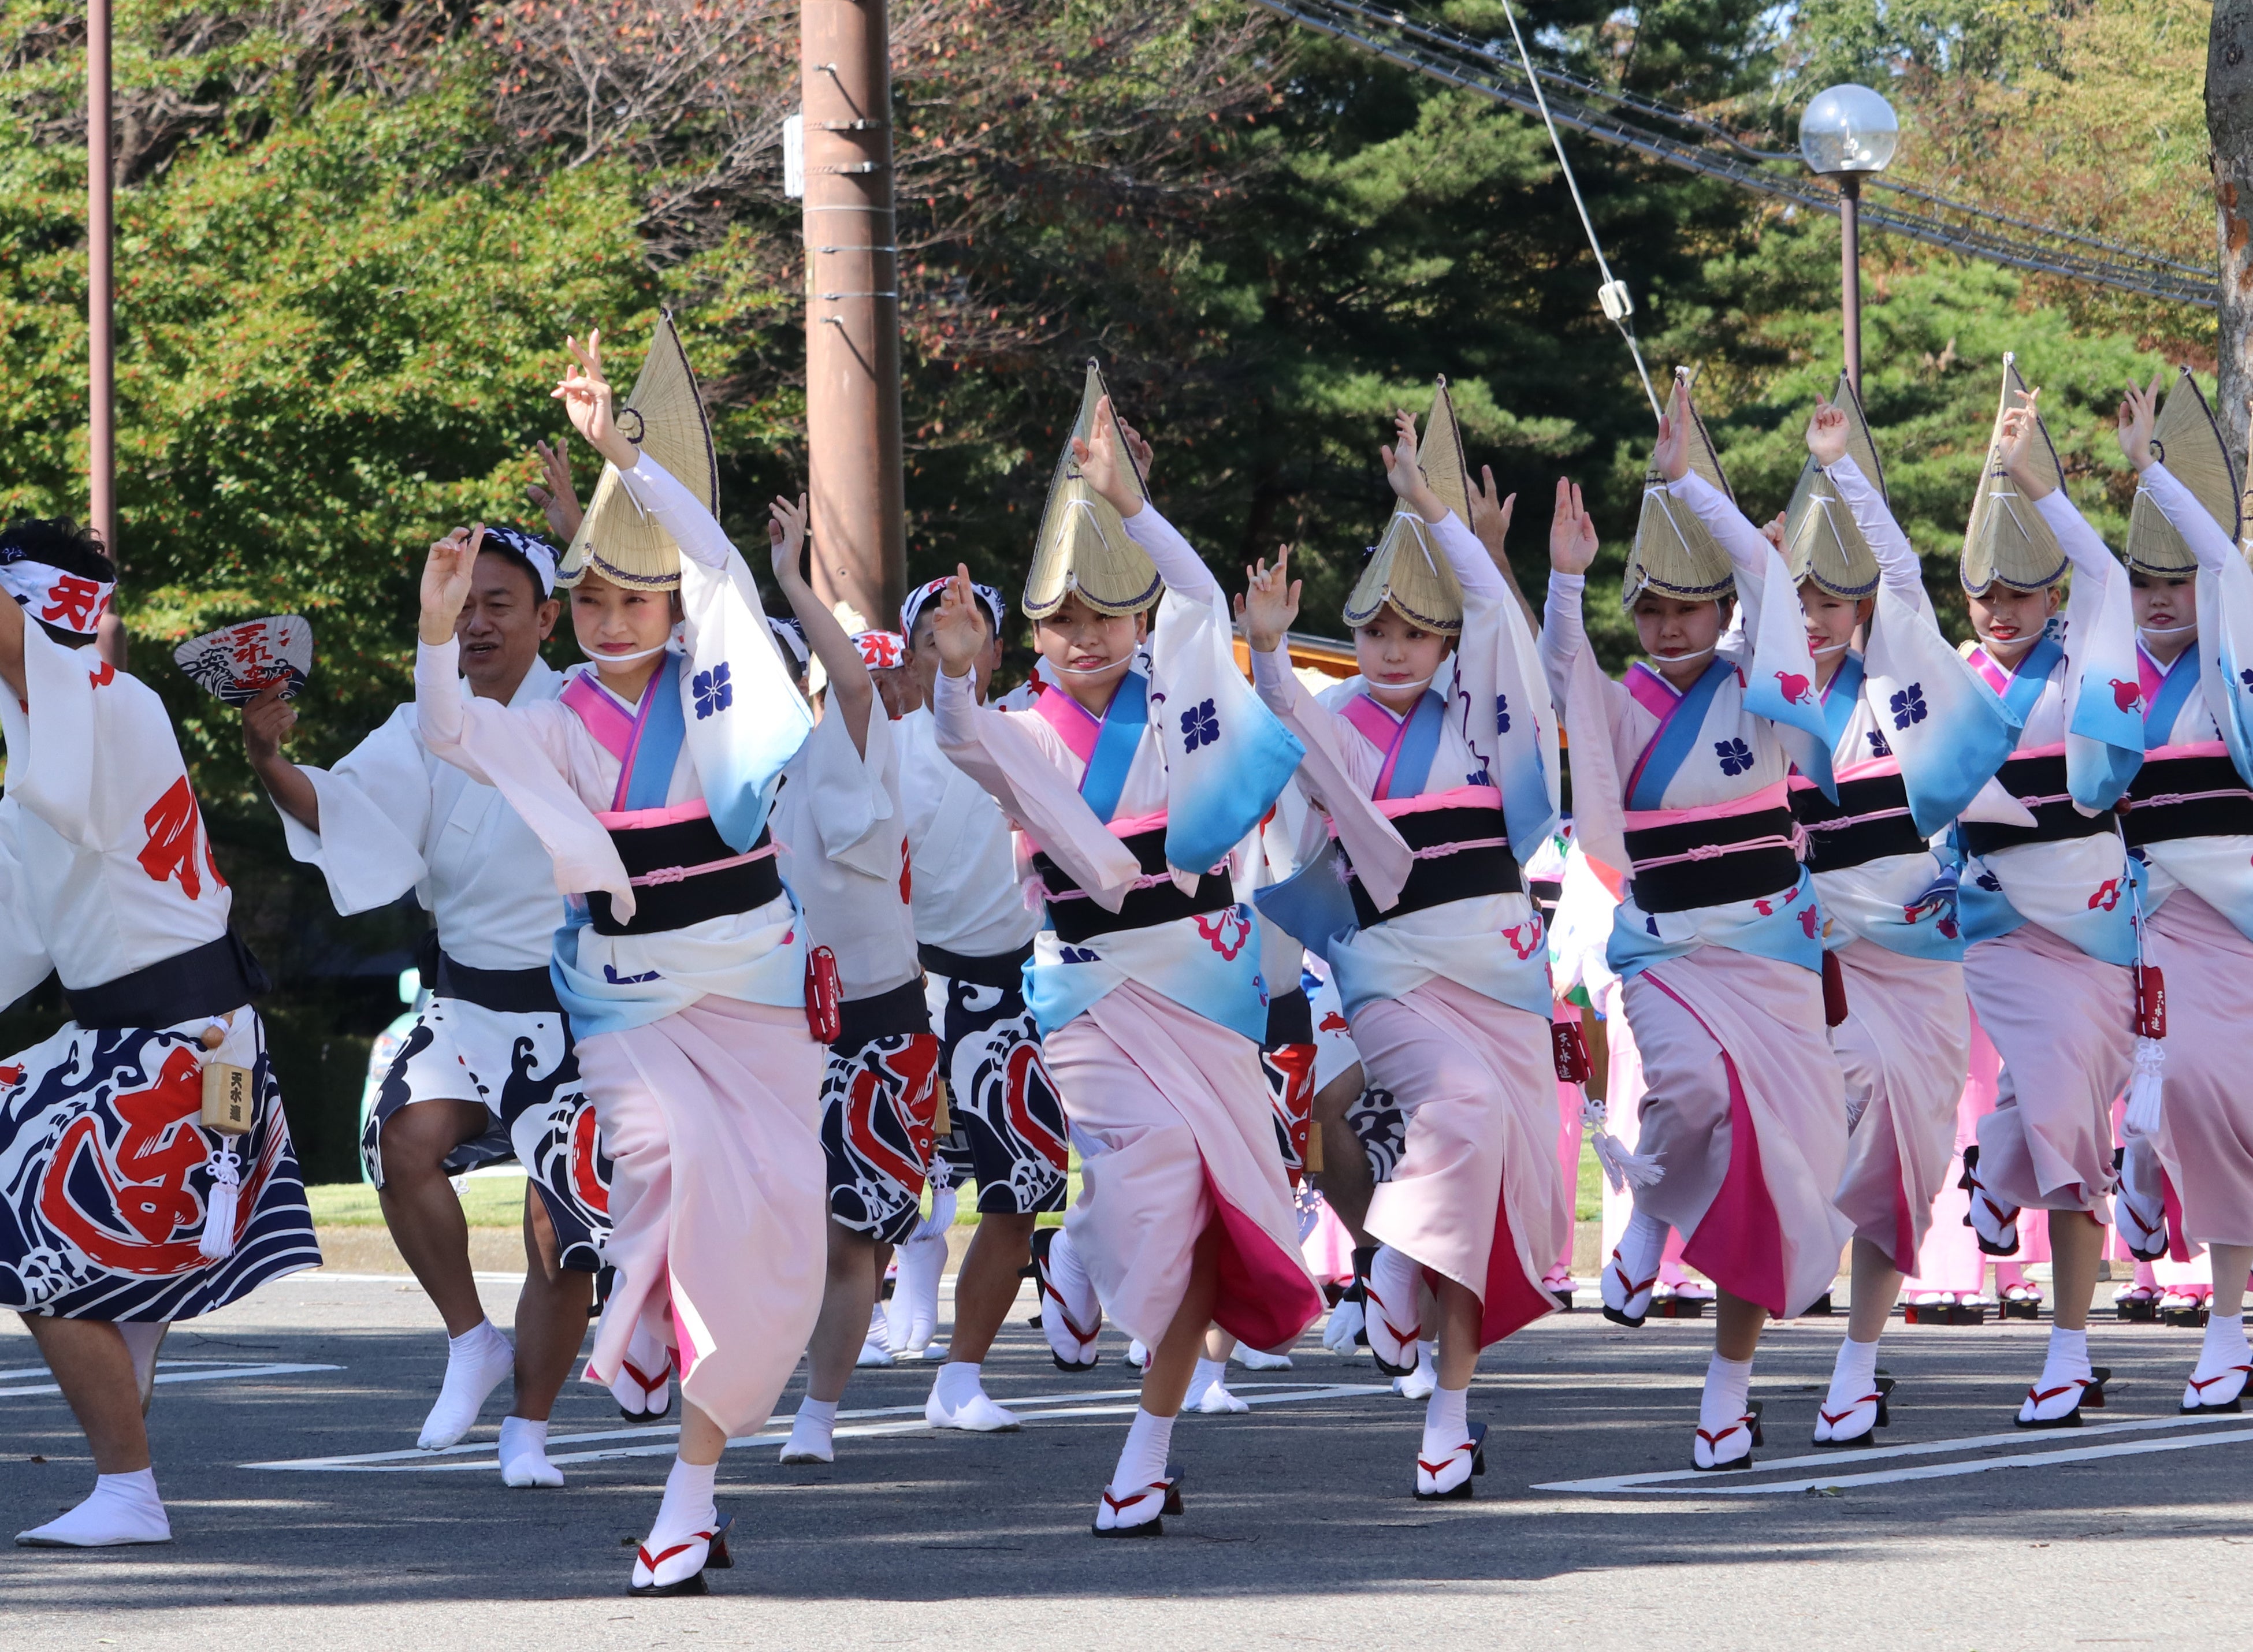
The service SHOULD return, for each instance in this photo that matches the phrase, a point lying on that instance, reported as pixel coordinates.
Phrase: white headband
(70, 601)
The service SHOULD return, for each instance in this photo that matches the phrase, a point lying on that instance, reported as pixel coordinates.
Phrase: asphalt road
(1299, 1529)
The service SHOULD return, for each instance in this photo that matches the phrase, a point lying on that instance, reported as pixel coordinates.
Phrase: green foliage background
(346, 265)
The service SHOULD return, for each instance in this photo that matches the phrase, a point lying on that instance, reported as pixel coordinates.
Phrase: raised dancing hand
(1826, 435)
(1270, 602)
(557, 499)
(1672, 456)
(266, 721)
(587, 398)
(1403, 472)
(1572, 532)
(446, 574)
(2017, 446)
(958, 627)
(1104, 465)
(1137, 449)
(2138, 413)
(1773, 532)
(787, 540)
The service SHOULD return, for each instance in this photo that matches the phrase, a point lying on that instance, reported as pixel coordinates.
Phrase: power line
(1613, 117)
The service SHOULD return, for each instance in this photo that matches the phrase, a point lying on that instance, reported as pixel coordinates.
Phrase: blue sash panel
(659, 732)
(1127, 715)
(1671, 747)
(1420, 744)
(2167, 706)
(2032, 677)
(1839, 699)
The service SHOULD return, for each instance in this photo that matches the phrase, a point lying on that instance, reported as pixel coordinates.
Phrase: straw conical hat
(1674, 553)
(1084, 550)
(1408, 570)
(1821, 541)
(665, 418)
(2007, 539)
(2189, 443)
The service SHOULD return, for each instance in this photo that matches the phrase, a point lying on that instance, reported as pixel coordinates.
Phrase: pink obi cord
(1769, 796)
(1456, 797)
(1133, 826)
(2197, 749)
(682, 873)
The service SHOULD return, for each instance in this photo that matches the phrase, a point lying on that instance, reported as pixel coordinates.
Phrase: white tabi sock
(524, 1453)
(1207, 1372)
(1142, 1458)
(1854, 1378)
(812, 1433)
(922, 1262)
(1729, 1382)
(1642, 1246)
(2225, 1344)
(687, 1508)
(123, 1508)
(959, 1382)
(476, 1363)
(2068, 1359)
(1446, 1423)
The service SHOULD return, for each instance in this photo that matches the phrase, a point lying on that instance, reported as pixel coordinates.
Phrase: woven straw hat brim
(2006, 541)
(2188, 442)
(1675, 554)
(1083, 549)
(665, 418)
(1410, 573)
(1408, 570)
(1821, 542)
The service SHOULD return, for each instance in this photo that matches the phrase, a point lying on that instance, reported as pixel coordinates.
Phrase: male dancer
(844, 839)
(975, 931)
(487, 1070)
(125, 1213)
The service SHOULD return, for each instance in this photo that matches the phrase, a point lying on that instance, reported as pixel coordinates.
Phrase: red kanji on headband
(74, 602)
(881, 650)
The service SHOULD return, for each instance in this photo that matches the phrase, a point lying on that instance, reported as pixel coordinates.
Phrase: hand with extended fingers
(1405, 475)
(958, 626)
(1672, 456)
(553, 496)
(1572, 532)
(1270, 602)
(1105, 460)
(2021, 427)
(586, 396)
(446, 574)
(787, 540)
(2138, 413)
(1773, 531)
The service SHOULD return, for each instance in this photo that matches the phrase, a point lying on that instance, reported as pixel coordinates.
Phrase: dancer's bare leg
(95, 1373)
(551, 1314)
(422, 1210)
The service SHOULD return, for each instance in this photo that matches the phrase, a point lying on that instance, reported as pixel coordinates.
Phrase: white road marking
(224, 1373)
(480, 1457)
(2044, 1448)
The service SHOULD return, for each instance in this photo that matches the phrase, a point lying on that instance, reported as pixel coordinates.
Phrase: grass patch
(487, 1202)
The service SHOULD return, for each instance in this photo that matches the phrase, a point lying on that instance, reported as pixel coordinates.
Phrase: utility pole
(102, 442)
(852, 310)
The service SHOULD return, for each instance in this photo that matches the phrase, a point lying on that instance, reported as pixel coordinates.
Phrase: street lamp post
(1846, 132)
(101, 429)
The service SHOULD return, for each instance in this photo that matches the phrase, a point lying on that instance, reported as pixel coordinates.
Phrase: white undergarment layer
(123, 1509)
(477, 1362)
(524, 1453)
(1728, 1384)
(1142, 1458)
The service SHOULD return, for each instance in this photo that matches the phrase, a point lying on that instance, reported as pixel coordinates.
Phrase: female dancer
(1718, 935)
(1450, 762)
(680, 962)
(1133, 789)
(2047, 902)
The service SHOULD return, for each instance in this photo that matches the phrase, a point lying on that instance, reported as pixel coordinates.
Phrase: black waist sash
(1290, 1019)
(1448, 874)
(1722, 878)
(862, 1021)
(2059, 822)
(507, 992)
(2170, 797)
(1075, 916)
(1004, 972)
(210, 980)
(684, 845)
(1833, 846)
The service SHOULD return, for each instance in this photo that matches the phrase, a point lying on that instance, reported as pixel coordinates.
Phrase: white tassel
(1621, 1168)
(2145, 1089)
(218, 1242)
